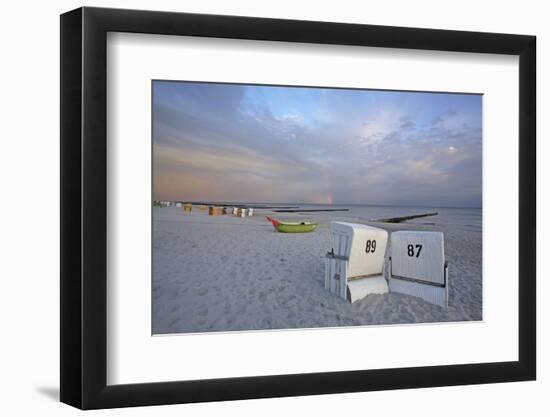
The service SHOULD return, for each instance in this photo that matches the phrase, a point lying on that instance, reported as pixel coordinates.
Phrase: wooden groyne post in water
(405, 218)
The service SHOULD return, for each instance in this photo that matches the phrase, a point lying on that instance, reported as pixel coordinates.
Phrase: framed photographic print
(258, 207)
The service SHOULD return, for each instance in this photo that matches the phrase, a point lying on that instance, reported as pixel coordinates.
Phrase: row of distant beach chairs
(357, 264)
(221, 211)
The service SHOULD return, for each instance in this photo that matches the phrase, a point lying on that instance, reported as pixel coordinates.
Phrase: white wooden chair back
(418, 266)
(418, 255)
(365, 247)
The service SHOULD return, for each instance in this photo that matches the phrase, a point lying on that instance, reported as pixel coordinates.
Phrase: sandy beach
(224, 273)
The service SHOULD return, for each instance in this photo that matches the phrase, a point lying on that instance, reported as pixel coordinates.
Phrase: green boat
(292, 227)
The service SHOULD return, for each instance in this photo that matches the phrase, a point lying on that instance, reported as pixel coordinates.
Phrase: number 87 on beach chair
(418, 266)
(354, 268)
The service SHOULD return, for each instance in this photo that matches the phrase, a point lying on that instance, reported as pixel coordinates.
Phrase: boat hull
(284, 227)
(296, 228)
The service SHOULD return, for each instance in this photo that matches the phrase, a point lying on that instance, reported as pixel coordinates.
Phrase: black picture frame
(84, 207)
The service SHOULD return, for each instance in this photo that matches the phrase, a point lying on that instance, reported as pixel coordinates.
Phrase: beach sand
(223, 273)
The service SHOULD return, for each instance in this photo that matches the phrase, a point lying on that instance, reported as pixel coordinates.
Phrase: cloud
(407, 124)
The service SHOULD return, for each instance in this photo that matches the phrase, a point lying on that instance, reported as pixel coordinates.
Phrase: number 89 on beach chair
(354, 267)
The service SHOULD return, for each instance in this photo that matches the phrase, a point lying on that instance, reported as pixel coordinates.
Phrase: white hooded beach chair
(418, 266)
(355, 266)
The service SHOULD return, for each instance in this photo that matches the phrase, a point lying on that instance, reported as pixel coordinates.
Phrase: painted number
(411, 250)
(371, 246)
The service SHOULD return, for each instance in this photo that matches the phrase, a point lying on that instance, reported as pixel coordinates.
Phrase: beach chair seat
(417, 266)
(355, 266)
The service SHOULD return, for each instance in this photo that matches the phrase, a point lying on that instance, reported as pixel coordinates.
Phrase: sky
(248, 143)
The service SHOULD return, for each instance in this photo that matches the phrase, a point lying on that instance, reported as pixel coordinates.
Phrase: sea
(449, 218)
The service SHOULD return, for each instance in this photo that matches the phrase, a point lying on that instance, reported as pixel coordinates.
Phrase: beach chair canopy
(365, 247)
(419, 256)
(355, 266)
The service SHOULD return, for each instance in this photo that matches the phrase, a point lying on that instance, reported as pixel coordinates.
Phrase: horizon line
(219, 202)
